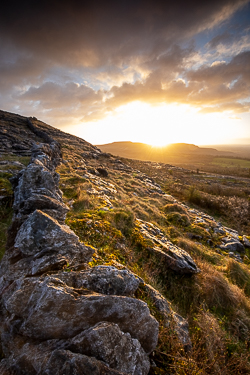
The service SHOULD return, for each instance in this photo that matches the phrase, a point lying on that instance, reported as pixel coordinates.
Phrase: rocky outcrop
(58, 316)
(172, 256)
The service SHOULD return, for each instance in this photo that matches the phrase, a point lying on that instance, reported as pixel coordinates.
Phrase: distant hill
(169, 153)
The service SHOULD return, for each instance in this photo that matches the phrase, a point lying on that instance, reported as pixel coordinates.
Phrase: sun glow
(159, 125)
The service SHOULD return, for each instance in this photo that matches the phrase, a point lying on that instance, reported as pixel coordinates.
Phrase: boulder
(105, 341)
(36, 179)
(49, 309)
(42, 235)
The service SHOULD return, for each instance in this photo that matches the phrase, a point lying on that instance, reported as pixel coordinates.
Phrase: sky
(157, 72)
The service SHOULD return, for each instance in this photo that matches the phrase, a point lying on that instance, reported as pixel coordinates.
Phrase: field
(231, 162)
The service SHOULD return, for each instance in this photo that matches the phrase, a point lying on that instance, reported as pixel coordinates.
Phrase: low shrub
(178, 219)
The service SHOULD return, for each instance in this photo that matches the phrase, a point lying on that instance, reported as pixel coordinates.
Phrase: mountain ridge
(142, 151)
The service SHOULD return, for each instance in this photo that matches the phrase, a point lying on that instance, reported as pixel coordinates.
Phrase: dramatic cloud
(69, 61)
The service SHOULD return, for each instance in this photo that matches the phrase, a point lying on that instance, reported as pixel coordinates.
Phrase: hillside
(142, 151)
(118, 266)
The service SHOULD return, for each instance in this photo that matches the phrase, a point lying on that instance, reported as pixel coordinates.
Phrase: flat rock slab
(172, 256)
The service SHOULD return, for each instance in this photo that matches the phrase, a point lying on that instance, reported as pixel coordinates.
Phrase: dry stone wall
(86, 321)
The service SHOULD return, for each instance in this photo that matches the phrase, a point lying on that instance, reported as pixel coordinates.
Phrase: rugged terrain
(118, 266)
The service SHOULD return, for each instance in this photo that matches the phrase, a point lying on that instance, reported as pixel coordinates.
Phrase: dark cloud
(86, 32)
(56, 55)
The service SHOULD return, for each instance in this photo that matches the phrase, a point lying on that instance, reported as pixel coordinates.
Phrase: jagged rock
(36, 179)
(171, 256)
(48, 308)
(106, 280)
(50, 358)
(182, 329)
(42, 202)
(49, 155)
(64, 362)
(41, 235)
(108, 343)
(159, 301)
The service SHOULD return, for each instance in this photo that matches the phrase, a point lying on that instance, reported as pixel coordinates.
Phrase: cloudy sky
(148, 71)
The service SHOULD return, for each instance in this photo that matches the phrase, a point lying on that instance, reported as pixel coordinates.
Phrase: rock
(36, 179)
(103, 279)
(219, 230)
(182, 329)
(246, 242)
(49, 309)
(234, 246)
(170, 255)
(118, 350)
(57, 209)
(51, 358)
(43, 235)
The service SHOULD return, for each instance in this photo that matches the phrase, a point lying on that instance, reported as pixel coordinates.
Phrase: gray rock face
(49, 309)
(36, 179)
(110, 280)
(173, 257)
(42, 235)
(108, 343)
(82, 322)
(103, 279)
(232, 245)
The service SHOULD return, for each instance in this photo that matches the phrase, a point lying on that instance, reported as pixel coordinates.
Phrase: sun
(159, 125)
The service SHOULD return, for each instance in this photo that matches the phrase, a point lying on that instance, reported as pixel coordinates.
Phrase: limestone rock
(51, 358)
(43, 235)
(36, 179)
(171, 256)
(48, 308)
(108, 343)
(232, 245)
(109, 280)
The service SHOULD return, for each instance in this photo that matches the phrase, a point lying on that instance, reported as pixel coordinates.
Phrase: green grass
(231, 162)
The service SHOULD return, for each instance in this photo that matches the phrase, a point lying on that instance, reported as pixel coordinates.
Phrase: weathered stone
(43, 202)
(36, 179)
(102, 171)
(182, 329)
(105, 341)
(50, 309)
(109, 280)
(233, 245)
(50, 358)
(171, 256)
(43, 235)
(64, 362)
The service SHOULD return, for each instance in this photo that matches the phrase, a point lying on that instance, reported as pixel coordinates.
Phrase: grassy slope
(216, 302)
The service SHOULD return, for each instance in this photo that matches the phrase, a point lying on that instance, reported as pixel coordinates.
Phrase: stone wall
(58, 315)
